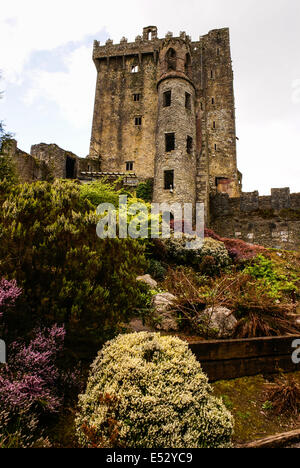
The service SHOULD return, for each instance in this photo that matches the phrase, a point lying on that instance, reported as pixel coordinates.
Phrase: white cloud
(265, 42)
(34, 25)
(71, 90)
(296, 91)
(269, 156)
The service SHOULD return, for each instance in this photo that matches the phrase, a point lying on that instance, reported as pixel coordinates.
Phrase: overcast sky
(49, 77)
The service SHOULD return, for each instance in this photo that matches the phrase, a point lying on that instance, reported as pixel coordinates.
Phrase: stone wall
(272, 221)
(27, 167)
(63, 164)
(47, 162)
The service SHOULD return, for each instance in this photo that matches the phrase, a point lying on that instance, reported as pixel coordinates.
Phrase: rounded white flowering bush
(148, 391)
(211, 252)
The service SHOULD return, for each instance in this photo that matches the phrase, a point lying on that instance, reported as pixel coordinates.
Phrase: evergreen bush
(148, 391)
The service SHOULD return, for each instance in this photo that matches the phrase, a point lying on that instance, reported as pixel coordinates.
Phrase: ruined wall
(47, 162)
(272, 221)
(62, 164)
(27, 167)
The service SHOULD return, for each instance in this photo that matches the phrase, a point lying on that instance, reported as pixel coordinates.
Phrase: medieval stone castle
(164, 111)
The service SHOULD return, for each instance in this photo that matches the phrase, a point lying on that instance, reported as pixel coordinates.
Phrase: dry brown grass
(284, 395)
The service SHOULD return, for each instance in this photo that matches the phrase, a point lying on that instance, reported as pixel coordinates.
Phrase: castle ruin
(164, 111)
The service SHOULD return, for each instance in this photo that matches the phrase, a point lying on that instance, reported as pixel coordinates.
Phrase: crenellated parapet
(271, 221)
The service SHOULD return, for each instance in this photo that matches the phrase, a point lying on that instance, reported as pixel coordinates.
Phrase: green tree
(7, 169)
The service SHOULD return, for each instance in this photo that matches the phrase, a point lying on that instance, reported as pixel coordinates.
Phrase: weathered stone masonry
(132, 118)
(272, 221)
(164, 109)
(46, 162)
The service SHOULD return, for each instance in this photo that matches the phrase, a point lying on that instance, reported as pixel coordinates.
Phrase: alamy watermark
(2, 352)
(296, 353)
(155, 221)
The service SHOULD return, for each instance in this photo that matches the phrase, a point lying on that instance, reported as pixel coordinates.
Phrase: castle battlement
(164, 108)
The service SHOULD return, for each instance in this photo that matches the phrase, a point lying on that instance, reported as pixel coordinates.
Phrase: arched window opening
(171, 59)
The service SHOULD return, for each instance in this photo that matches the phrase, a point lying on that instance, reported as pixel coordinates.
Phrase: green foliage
(265, 271)
(148, 391)
(100, 192)
(267, 406)
(145, 191)
(209, 259)
(8, 171)
(157, 270)
(7, 168)
(48, 243)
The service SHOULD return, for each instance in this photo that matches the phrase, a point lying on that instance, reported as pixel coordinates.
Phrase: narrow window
(136, 97)
(70, 168)
(214, 124)
(215, 147)
(167, 98)
(170, 142)
(211, 74)
(138, 121)
(135, 69)
(212, 101)
(171, 59)
(188, 101)
(169, 180)
(201, 105)
(188, 63)
(189, 144)
(129, 166)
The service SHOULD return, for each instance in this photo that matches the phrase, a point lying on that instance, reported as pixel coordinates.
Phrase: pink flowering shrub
(9, 293)
(238, 249)
(32, 385)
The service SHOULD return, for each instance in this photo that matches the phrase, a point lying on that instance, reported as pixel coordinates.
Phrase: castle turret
(175, 162)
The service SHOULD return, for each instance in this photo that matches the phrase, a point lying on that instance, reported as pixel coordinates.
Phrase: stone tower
(175, 162)
(164, 110)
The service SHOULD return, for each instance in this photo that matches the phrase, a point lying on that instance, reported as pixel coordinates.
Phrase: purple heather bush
(31, 386)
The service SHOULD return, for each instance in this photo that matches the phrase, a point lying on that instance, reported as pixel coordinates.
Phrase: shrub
(144, 191)
(217, 251)
(7, 169)
(100, 192)
(178, 253)
(252, 303)
(148, 391)
(157, 270)
(48, 243)
(284, 395)
(264, 270)
(32, 386)
(238, 250)
(9, 293)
